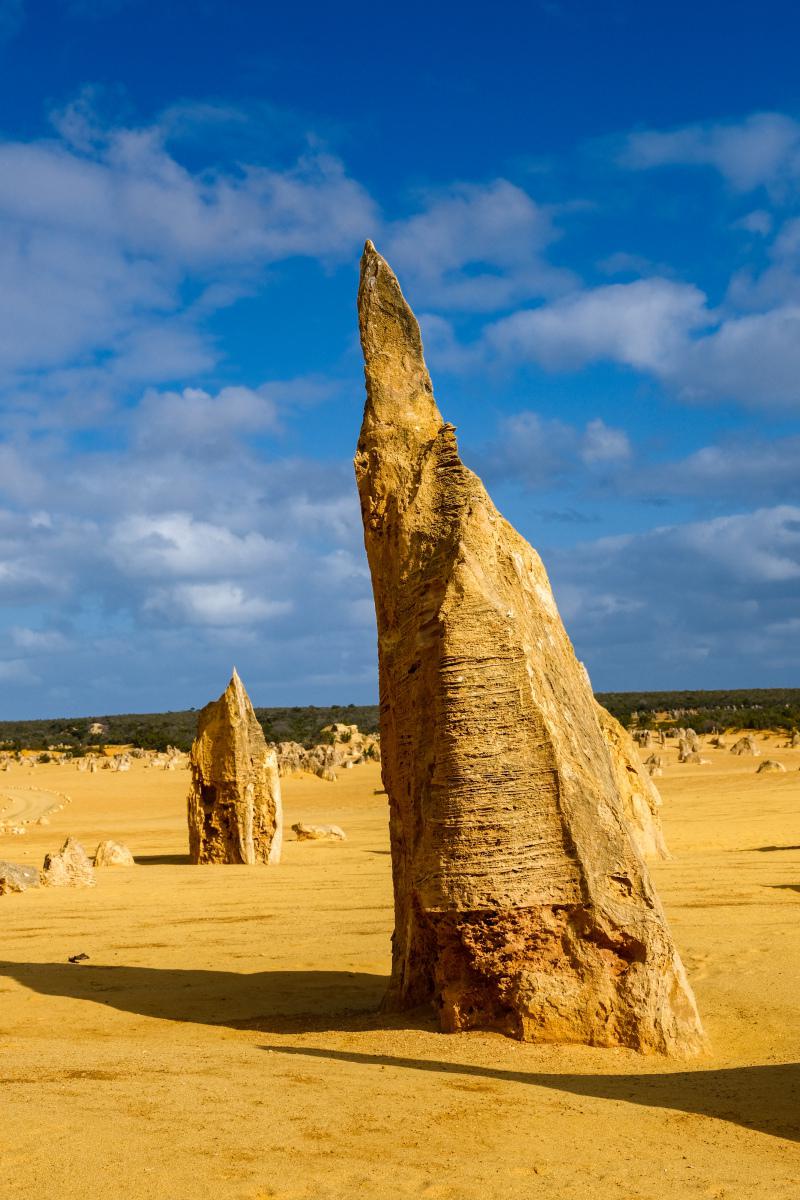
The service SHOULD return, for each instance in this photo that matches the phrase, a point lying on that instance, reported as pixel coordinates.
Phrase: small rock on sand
(770, 764)
(113, 854)
(14, 878)
(318, 833)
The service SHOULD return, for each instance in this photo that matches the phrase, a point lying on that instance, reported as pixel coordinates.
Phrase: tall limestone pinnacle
(234, 807)
(521, 902)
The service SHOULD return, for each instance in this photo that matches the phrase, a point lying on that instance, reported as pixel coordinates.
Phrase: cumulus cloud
(223, 603)
(477, 248)
(205, 422)
(667, 330)
(762, 149)
(704, 603)
(542, 452)
(105, 229)
(174, 561)
(178, 544)
(641, 324)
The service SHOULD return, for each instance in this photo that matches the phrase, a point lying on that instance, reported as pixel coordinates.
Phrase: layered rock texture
(70, 867)
(639, 795)
(521, 903)
(234, 807)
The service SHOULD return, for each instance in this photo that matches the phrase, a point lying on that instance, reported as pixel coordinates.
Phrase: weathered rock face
(113, 854)
(70, 867)
(15, 878)
(744, 745)
(769, 764)
(234, 807)
(521, 903)
(639, 795)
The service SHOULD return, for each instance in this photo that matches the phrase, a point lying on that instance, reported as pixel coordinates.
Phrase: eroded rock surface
(113, 854)
(70, 867)
(521, 903)
(234, 807)
(639, 795)
(15, 878)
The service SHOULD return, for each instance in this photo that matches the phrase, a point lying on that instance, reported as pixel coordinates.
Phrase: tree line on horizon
(704, 711)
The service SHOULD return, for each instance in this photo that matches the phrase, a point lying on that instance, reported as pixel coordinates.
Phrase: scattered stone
(344, 746)
(234, 807)
(769, 764)
(70, 867)
(78, 958)
(521, 903)
(113, 854)
(14, 878)
(745, 745)
(318, 833)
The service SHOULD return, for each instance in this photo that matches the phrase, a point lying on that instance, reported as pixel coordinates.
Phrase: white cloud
(753, 359)
(543, 452)
(656, 605)
(475, 248)
(223, 603)
(104, 228)
(761, 149)
(759, 221)
(664, 329)
(205, 422)
(641, 324)
(752, 470)
(38, 641)
(603, 444)
(176, 544)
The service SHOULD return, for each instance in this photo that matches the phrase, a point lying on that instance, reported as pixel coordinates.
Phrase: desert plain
(223, 1036)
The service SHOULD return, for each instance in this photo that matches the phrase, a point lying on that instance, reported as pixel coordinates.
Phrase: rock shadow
(765, 1098)
(266, 1001)
(163, 860)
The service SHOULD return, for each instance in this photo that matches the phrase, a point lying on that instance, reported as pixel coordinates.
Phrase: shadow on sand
(163, 860)
(267, 1001)
(764, 1098)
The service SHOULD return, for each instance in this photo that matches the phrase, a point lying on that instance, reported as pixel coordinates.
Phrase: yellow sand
(222, 1039)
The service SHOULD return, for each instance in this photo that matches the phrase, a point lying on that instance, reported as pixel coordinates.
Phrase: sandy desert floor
(222, 1039)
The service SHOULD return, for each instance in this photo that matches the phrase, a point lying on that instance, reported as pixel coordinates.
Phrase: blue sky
(595, 212)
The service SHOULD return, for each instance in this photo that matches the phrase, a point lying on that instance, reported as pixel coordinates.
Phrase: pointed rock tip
(236, 684)
(399, 390)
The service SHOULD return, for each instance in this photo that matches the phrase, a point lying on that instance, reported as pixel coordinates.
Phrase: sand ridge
(223, 1037)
